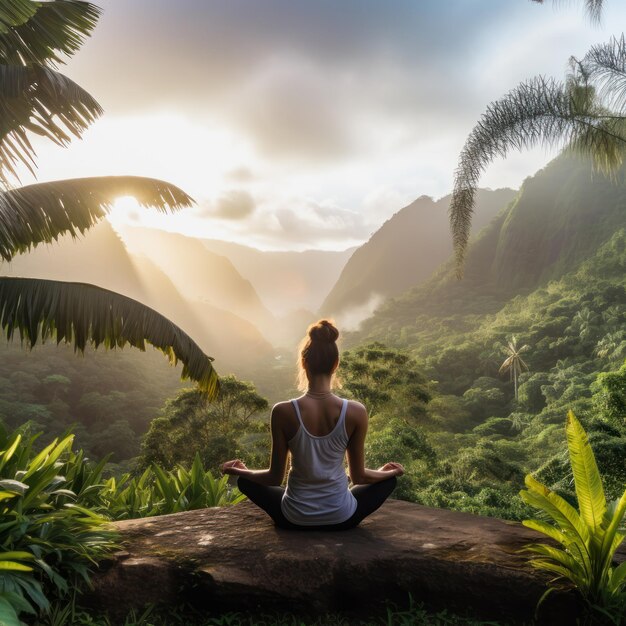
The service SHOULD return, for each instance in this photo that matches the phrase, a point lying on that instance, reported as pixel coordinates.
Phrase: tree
(382, 377)
(188, 424)
(514, 364)
(584, 113)
(35, 37)
(609, 395)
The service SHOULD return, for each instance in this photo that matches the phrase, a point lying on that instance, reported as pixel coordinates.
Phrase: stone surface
(234, 559)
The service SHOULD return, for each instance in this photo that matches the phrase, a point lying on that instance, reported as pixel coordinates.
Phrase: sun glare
(125, 210)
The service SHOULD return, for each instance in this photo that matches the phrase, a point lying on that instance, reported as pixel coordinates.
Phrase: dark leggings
(368, 498)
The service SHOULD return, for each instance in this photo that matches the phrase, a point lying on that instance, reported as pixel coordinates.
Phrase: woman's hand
(236, 467)
(396, 468)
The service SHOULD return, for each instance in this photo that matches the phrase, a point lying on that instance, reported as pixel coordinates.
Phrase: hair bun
(323, 331)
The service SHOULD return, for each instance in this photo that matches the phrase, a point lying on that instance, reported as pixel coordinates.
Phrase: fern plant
(588, 537)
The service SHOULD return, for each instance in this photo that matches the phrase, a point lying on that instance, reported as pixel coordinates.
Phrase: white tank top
(317, 485)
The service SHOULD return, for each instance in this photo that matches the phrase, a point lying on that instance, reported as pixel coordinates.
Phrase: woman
(318, 429)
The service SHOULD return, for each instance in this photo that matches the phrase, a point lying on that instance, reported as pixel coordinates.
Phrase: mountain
(562, 217)
(403, 253)
(101, 258)
(199, 274)
(285, 281)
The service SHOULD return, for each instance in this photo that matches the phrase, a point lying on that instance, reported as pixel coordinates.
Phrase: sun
(125, 210)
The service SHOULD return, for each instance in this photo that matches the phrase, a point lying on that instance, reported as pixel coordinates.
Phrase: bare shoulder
(284, 419)
(356, 415)
(282, 411)
(357, 409)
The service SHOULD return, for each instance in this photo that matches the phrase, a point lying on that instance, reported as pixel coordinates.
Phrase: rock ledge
(234, 559)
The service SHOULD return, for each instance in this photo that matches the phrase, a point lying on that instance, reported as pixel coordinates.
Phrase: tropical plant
(584, 113)
(35, 37)
(160, 492)
(47, 534)
(514, 364)
(588, 537)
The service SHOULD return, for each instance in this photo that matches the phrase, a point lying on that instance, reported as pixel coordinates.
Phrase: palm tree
(593, 8)
(583, 113)
(35, 98)
(514, 364)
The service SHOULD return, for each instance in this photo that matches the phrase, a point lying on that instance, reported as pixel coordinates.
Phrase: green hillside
(566, 302)
(562, 215)
(405, 251)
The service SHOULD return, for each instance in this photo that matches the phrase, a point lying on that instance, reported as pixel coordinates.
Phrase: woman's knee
(244, 484)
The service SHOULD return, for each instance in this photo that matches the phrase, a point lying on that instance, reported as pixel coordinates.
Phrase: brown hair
(318, 353)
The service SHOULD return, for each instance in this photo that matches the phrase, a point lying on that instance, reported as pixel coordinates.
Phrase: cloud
(232, 205)
(317, 222)
(240, 174)
(293, 109)
(305, 81)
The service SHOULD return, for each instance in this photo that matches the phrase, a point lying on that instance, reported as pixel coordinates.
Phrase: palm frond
(539, 111)
(78, 313)
(606, 64)
(15, 12)
(41, 212)
(507, 363)
(56, 28)
(593, 8)
(42, 101)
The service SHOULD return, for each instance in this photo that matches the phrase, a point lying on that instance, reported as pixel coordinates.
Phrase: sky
(306, 124)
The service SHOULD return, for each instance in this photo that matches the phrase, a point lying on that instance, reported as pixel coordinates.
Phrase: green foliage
(610, 396)
(189, 425)
(385, 380)
(589, 537)
(160, 492)
(50, 537)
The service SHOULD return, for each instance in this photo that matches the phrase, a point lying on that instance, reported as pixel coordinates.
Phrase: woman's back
(317, 486)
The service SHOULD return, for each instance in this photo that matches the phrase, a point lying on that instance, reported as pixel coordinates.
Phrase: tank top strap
(299, 416)
(344, 408)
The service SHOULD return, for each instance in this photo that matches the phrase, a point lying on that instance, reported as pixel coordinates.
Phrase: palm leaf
(57, 28)
(42, 101)
(41, 212)
(587, 481)
(606, 63)
(539, 111)
(592, 7)
(507, 364)
(15, 12)
(79, 313)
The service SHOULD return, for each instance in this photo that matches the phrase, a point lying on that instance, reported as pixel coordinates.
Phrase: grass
(414, 615)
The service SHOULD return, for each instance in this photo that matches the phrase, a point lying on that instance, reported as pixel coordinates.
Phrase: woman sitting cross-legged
(318, 429)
